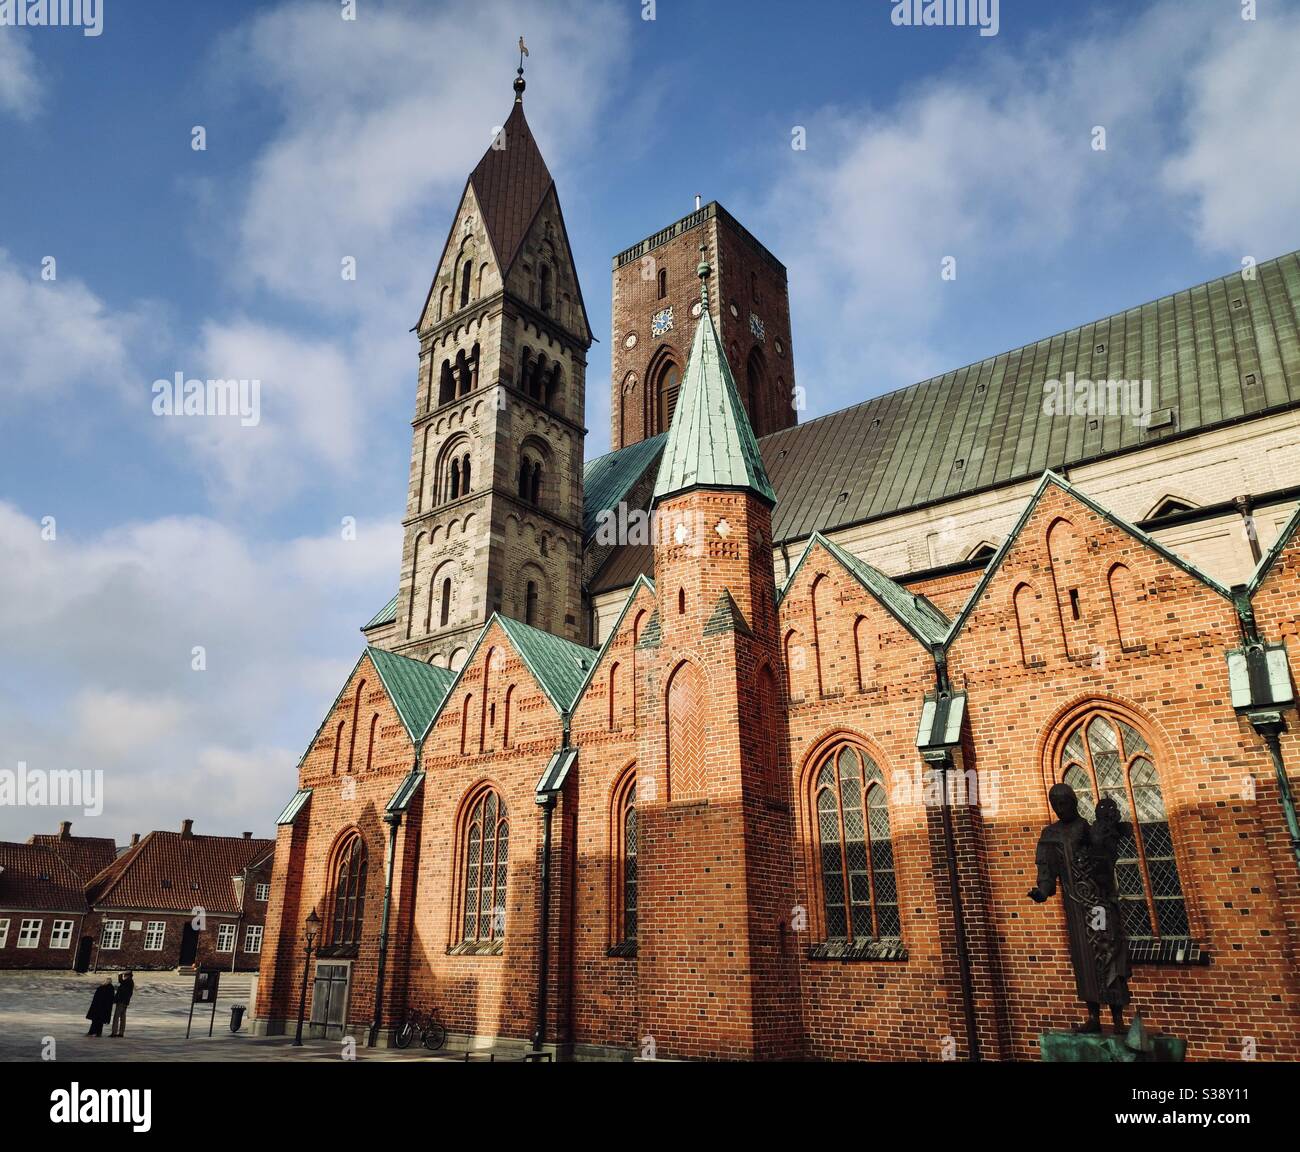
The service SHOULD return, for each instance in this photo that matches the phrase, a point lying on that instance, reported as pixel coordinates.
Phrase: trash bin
(237, 1016)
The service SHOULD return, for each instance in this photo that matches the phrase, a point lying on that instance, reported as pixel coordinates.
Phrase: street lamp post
(312, 926)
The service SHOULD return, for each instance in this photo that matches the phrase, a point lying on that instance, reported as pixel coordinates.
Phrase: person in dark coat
(121, 998)
(101, 1007)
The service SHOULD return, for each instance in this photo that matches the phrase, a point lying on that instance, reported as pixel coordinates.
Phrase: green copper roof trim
(727, 617)
(1051, 478)
(642, 581)
(386, 615)
(1270, 557)
(416, 689)
(914, 612)
(710, 441)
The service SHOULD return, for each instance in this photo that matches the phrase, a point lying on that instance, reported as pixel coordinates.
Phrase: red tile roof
(85, 855)
(33, 878)
(169, 871)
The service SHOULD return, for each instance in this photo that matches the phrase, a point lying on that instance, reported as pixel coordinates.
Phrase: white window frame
(262, 892)
(111, 930)
(4, 933)
(29, 933)
(161, 926)
(253, 936)
(226, 937)
(61, 934)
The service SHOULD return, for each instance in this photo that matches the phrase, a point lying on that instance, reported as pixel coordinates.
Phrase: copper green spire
(710, 441)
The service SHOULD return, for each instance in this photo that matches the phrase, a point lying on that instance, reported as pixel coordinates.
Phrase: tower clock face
(756, 327)
(661, 323)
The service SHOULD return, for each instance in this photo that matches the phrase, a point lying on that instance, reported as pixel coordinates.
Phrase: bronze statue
(1082, 857)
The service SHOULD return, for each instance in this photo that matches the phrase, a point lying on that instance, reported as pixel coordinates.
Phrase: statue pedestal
(1107, 1048)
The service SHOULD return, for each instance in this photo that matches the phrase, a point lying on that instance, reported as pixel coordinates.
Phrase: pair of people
(111, 1002)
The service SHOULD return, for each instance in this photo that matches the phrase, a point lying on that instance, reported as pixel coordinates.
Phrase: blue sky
(328, 138)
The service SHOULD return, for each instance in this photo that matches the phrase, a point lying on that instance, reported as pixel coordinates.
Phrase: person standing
(101, 1007)
(121, 998)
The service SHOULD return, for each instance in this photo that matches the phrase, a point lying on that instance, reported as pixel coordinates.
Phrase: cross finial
(519, 78)
(704, 271)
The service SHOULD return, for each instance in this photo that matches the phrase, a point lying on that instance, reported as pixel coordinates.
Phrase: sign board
(136, 925)
(205, 985)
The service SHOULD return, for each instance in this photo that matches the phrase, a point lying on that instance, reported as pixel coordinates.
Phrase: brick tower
(656, 306)
(494, 508)
(714, 818)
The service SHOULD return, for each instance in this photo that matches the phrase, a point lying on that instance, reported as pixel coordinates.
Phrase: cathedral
(736, 742)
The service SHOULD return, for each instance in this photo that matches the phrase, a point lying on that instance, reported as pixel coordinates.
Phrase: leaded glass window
(349, 894)
(629, 864)
(1105, 756)
(487, 842)
(855, 848)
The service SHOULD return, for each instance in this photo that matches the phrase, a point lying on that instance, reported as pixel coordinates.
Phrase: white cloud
(995, 167)
(20, 86)
(1241, 164)
(385, 117)
(57, 334)
(99, 634)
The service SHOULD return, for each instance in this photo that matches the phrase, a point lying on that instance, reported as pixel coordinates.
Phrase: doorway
(84, 947)
(189, 945)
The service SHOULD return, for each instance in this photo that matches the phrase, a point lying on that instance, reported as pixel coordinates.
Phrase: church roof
(1215, 354)
(608, 479)
(710, 442)
(417, 689)
(560, 666)
(510, 184)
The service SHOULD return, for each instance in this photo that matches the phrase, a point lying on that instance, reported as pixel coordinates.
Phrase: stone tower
(656, 304)
(494, 508)
(715, 829)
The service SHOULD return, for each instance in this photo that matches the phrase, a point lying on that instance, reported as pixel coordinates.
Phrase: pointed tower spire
(711, 443)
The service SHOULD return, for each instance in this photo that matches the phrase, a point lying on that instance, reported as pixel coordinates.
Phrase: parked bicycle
(424, 1025)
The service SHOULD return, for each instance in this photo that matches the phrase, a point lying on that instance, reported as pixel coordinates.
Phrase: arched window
(444, 610)
(349, 894)
(686, 701)
(466, 273)
(446, 384)
(535, 486)
(338, 743)
(544, 287)
(530, 603)
(855, 847)
(370, 746)
(668, 385)
(454, 486)
(755, 376)
(505, 716)
(663, 283)
(487, 840)
(623, 865)
(464, 475)
(1106, 756)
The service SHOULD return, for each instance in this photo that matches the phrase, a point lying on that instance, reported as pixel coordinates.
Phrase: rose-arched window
(855, 847)
(1106, 756)
(349, 894)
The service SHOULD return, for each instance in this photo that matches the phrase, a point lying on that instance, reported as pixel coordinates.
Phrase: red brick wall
(11, 956)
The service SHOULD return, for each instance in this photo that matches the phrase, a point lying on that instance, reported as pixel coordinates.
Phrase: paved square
(38, 1006)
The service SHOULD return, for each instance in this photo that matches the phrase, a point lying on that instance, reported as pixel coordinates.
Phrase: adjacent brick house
(176, 899)
(779, 797)
(43, 909)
